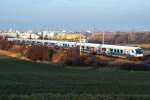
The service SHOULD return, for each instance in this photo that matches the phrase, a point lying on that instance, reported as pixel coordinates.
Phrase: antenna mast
(43, 38)
(103, 38)
(80, 42)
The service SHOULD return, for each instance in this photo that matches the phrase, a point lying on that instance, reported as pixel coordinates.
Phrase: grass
(22, 79)
(144, 46)
(75, 97)
(147, 52)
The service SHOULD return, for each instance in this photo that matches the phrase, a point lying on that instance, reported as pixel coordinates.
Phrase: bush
(6, 45)
(42, 53)
(146, 59)
(99, 64)
(51, 52)
(72, 56)
(58, 57)
(136, 67)
(23, 50)
(88, 60)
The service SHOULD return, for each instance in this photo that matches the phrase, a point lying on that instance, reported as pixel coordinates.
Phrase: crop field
(27, 80)
(147, 52)
(145, 46)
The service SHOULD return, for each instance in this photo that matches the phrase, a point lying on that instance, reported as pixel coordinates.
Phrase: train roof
(120, 47)
(109, 46)
(85, 44)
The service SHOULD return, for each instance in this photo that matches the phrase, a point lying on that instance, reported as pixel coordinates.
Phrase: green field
(22, 79)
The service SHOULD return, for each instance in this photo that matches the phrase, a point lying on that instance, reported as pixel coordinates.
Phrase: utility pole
(43, 38)
(103, 38)
(103, 42)
(30, 39)
(80, 43)
(3, 35)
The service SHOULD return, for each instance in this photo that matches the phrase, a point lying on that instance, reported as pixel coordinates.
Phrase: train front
(139, 52)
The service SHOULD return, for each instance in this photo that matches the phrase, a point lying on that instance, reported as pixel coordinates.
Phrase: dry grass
(70, 55)
(12, 54)
(144, 46)
(58, 58)
(26, 78)
(115, 60)
(7, 53)
(147, 52)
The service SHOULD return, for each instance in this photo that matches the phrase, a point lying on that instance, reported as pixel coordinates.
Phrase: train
(92, 48)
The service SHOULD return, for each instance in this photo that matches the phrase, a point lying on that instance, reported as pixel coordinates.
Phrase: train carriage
(105, 49)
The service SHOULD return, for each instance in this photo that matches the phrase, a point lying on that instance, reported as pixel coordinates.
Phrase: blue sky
(105, 15)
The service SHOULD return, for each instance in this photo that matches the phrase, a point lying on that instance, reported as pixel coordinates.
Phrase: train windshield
(139, 51)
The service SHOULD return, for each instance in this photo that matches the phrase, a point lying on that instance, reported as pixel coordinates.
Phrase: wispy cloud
(100, 13)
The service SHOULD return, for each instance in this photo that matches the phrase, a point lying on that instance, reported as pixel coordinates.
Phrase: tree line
(121, 37)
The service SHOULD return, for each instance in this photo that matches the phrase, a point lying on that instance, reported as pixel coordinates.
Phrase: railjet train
(105, 49)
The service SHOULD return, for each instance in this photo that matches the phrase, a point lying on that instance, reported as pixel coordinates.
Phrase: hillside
(22, 79)
(122, 37)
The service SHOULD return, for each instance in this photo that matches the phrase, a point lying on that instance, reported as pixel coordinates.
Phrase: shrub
(51, 52)
(23, 50)
(72, 56)
(136, 67)
(146, 59)
(6, 45)
(58, 57)
(36, 52)
(99, 64)
(88, 60)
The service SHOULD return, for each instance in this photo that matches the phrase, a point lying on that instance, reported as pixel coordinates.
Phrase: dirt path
(117, 60)
(12, 54)
(7, 53)
(110, 60)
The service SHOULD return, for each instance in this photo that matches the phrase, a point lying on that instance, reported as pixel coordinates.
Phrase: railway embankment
(66, 57)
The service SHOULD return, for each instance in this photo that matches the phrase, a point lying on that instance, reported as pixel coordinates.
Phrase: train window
(63, 45)
(46, 43)
(114, 50)
(139, 51)
(103, 49)
(132, 51)
(87, 47)
(111, 50)
(118, 50)
(52, 43)
(93, 49)
(121, 51)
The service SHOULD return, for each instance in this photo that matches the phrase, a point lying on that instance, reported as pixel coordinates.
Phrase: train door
(93, 50)
(103, 50)
(129, 53)
(132, 53)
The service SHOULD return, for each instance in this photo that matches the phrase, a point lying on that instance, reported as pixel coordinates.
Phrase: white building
(10, 34)
(28, 35)
(46, 34)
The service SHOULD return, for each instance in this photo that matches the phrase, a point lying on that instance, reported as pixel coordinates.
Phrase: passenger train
(93, 48)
